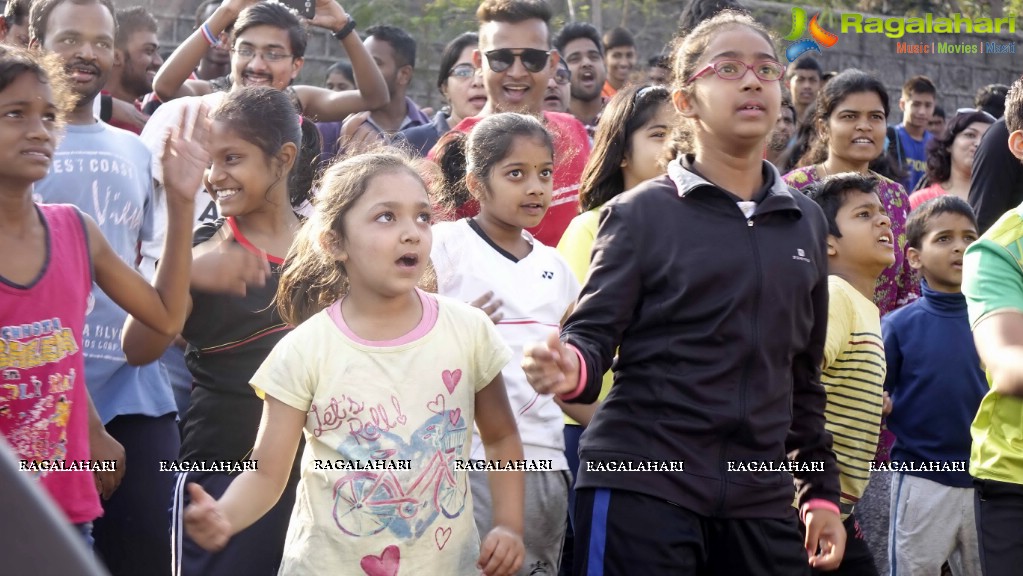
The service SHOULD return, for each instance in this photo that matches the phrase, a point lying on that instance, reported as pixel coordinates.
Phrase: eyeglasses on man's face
(272, 55)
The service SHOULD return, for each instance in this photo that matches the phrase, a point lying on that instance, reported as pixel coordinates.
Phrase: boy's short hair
(575, 31)
(1014, 106)
(919, 85)
(618, 37)
(939, 112)
(917, 224)
(806, 63)
(132, 20)
(832, 193)
(275, 15)
(991, 99)
(513, 11)
(403, 45)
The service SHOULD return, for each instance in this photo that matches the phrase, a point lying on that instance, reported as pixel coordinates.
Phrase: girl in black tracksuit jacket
(712, 283)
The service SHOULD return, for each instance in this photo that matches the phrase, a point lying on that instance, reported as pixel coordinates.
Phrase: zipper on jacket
(755, 343)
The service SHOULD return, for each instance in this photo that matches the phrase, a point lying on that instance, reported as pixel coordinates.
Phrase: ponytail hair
(452, 193)
(312, 277)
(303, 175)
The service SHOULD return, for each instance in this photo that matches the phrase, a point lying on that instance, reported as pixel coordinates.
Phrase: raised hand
(502, 552)
(184, 157)
(329, 15)
(236, 6)
(551, 367)
(489, 304)
(203, 521)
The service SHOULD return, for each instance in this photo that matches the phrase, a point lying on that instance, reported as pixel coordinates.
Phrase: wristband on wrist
(818, 504)
(207, 34)
(345, 30)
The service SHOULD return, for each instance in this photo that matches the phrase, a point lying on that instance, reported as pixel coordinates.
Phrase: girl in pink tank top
(49, 257)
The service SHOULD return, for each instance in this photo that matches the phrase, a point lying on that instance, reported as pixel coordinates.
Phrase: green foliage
(417, 17)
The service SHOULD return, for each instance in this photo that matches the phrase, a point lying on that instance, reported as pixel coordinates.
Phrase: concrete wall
(654, 24)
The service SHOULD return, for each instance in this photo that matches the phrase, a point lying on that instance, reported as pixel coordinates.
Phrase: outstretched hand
(824, 531)
(204, 522)
(184, 157)
(551, 367)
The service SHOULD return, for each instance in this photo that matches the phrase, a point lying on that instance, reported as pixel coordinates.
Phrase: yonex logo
(818, 36)
(548, 274)
(800, 255)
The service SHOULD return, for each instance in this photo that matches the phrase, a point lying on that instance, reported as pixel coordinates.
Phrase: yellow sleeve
(839, 312)
(576, 243)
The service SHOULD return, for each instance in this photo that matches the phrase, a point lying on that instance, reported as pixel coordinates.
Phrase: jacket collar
(686, 180)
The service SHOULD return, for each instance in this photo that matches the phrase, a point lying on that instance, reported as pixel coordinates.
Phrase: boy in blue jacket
(936, 385)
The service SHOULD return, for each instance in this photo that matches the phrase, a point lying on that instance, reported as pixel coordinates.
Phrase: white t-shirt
(410, 399)
(154, 135)
(536, 292)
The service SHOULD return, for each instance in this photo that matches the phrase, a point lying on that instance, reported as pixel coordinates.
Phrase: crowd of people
(713, 315)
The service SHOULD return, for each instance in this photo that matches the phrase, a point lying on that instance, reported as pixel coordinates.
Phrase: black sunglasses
(533, 60)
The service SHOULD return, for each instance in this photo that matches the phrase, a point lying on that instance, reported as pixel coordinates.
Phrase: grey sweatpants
(932, 522)
(545, 521)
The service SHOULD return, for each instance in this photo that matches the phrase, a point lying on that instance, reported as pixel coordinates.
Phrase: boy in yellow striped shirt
(860, 247)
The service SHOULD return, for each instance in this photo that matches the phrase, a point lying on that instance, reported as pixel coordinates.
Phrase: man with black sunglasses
(517, 61)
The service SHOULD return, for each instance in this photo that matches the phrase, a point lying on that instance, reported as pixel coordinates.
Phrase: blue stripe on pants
(598, 533)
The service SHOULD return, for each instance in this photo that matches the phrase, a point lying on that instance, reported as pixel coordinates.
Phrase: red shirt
(571, 151)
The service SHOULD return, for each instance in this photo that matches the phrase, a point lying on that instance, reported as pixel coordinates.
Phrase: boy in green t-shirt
(993, 285)
(860, 247)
